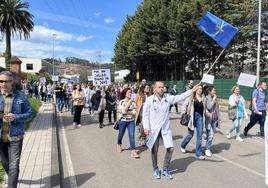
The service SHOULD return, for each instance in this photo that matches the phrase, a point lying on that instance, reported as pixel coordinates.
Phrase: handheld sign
(101, 77)
(246, 80)
(43, 80)
(207, 78)
(55, 78)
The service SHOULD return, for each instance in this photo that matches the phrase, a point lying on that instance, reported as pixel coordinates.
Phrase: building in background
(28, 65)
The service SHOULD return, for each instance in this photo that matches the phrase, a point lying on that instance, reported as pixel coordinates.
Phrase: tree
(14, 19)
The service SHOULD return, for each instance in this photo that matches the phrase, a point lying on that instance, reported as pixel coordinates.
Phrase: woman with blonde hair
(78, 104)
(237, 101)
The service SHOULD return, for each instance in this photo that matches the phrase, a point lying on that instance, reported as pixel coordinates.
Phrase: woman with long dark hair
(127, 110)
(212, 117)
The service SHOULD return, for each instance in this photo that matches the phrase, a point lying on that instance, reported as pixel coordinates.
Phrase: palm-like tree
(14, 18)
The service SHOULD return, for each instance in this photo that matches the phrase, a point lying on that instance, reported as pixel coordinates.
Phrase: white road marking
(69, 163)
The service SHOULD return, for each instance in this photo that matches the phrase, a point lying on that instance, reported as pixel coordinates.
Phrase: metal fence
(223, 87)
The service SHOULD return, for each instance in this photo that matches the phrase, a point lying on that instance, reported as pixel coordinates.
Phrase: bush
(35, 103)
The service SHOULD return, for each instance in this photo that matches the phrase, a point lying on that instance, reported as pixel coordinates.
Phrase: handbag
(186, 117)
(232, 111)
(116, 124)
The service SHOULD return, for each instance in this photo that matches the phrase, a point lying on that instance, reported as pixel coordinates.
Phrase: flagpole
(259, 45)
(215, 61)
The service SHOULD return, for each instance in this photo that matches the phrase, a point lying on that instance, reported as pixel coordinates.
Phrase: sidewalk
(35, 164)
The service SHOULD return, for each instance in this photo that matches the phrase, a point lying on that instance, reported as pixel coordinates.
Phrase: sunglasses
(5, 81)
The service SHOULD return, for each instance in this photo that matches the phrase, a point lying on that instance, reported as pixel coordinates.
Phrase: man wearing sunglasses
(16, 110)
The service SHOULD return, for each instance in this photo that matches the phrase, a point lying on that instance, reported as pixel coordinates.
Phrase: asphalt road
(94, 162)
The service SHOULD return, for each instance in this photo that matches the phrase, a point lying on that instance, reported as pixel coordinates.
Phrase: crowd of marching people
(147, 107)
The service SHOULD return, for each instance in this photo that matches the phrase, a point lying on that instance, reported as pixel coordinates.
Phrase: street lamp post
(54, 35)
(259, 45)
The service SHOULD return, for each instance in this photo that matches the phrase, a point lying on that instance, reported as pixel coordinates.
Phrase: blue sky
(83, 28)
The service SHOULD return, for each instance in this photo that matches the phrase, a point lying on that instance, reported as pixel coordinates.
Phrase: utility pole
(99, 57)
(53, 36)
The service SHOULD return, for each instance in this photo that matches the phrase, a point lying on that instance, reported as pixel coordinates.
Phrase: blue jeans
(210, 136)
(68, 103)
(198, 122)
(10, 153)
(60, 103)
(131, 132)
(236, 126)
(255, 118)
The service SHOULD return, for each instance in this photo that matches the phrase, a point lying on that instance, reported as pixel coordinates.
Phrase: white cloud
(42, 34)
(45, 50)
(82, 38)
(46, 24)
(109, 20)
(72, 21)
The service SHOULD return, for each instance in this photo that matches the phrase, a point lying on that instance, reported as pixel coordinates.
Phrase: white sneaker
(74, 124)
(183, 150)
(228, 135)
(79, 125)
(201, 157)
(238, 138)
(208, 153)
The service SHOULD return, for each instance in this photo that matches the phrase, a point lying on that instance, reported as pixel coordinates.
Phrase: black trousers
(77, 114)
(101, 116)
(110, 115)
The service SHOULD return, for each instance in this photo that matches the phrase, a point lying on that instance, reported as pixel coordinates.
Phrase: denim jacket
(22, 110)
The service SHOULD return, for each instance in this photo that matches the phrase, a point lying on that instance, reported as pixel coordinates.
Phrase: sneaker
(201, 157)
(228, 135)
(245, 133)
(134, 154)
(238, 138)
(101, 125)
(157, 174)
(208, 153)
(79, 125)
(167, 174)
(74, 124)
(183, 150)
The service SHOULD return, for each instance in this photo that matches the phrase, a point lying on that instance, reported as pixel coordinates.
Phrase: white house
(119, 75)
(28, 65)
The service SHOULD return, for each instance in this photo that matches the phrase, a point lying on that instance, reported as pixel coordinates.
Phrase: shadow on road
(180, 165)
(80, 179)
(176, 137)
(218, 148)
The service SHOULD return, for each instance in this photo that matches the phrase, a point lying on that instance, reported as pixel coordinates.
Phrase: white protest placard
(43, 80)
(101, 77)
(55, 78)
(90, 78)
(246, 80)
(207, 78)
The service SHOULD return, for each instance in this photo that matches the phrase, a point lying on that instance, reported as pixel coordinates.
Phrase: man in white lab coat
(157, 125)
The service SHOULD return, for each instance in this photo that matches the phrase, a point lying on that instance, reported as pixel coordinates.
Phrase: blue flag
(221, 31)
